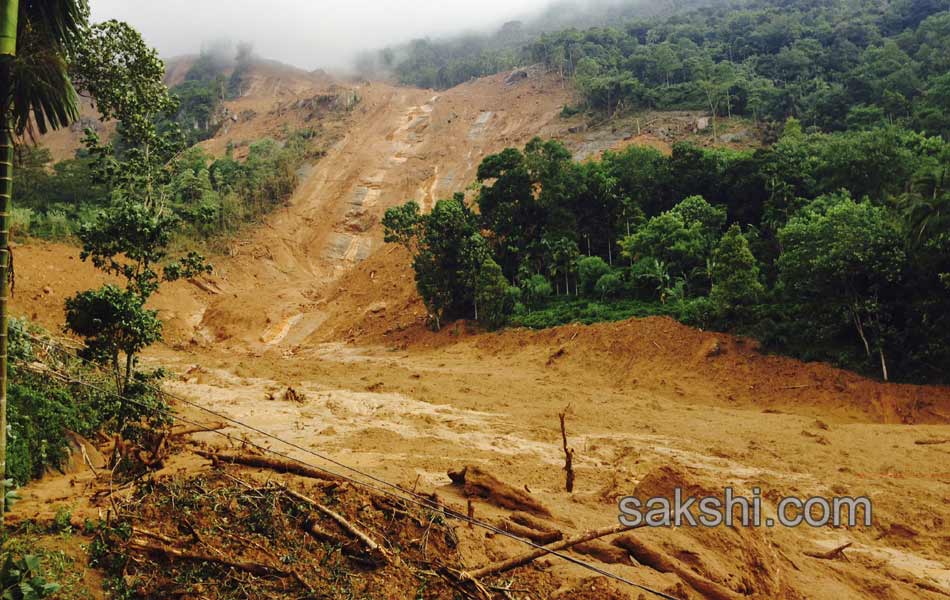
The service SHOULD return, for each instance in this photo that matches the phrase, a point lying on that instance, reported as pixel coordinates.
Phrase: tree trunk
(9, 11)
(860, 327)
(883, 363)
(129, 363)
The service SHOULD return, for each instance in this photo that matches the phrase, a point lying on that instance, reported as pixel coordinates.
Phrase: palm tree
(36, 39)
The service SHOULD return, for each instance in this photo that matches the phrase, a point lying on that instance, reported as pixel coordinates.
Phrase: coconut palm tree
(36, 39)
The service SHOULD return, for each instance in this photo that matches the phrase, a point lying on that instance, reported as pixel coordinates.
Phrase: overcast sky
(305, 33)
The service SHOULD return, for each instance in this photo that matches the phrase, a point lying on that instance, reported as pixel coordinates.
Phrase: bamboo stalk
(9, 12)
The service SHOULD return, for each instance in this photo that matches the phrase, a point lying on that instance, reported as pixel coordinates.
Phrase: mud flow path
(314, 301)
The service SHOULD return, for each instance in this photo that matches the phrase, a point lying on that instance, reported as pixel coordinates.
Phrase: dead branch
(157, 536)
(604, 552)
(932, 442)
(523, 518)
(197, 429)
(477, 482)
(538, 537)
(831, 554)
(568, 456)
(274, 464)
(650, 556)
(342, 522)
(321, 534)
(523, 559)
(254, 568)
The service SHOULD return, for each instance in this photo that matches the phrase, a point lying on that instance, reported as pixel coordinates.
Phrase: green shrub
(698, 312)
(560, 311)
(23, 579)
(569, 111)
(42, 410)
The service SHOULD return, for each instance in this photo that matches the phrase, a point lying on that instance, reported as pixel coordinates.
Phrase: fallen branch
(321, 534)
(932, 442)
(523, 559)
(538, 537)
(604, 552)
(274, 464)
(254, 568)
(197, 429)
(342, 522)
(523, 518)
(157, 536)
(654, 558)
(831, 554)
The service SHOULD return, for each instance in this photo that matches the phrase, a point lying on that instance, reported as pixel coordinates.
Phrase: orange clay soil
(315, 301)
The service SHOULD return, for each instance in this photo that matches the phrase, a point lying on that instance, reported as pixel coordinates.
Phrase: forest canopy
(825, 246)
(831, 64)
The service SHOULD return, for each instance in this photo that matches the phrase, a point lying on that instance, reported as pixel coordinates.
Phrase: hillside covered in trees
(830, 243)
(824, 246)
(832, 64)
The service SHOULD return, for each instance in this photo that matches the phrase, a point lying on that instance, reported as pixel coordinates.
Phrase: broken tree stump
(568, 456)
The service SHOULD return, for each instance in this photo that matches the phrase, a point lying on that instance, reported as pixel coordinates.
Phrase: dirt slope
(316, 302)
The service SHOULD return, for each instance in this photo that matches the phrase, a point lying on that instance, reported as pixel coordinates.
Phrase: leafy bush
(42, 410)
(23, 579)
(734, 273)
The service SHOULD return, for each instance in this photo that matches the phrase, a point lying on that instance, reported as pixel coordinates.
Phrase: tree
(454, 271)
(609, 285)
(493, 294)
(113, 321)
(535, 290)
(681, 238)
(131, 234)
(589, 271)
(845, 259)
(36, 38)
(734, 272)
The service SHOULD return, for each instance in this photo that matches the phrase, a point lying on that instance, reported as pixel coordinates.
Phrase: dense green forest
(446, 62)
(824, 246)
(832, 64)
